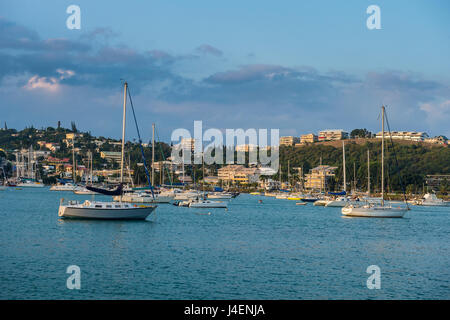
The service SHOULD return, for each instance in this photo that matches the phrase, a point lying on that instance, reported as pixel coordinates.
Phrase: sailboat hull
(374, 212)
(135, 213)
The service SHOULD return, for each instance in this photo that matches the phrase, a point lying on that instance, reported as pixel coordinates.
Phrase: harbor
(233, 158)
(271, 249)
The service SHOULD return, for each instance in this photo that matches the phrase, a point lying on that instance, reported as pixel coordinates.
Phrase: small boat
(142, 197)
(186, 195)
(301, 203)
(30, 183)
(255, 193)
(83, 190)
(340, 202)
(207, 204)
(321, 202)
(219, 195)
(182, 203)
(430, 199)
(63, 187)
(294, 198)
(309, 199)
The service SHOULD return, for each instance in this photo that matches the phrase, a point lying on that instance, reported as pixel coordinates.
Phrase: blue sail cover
(218, 189)
(342, 193)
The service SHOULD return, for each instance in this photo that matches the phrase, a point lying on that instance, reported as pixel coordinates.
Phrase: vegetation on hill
(415, 161)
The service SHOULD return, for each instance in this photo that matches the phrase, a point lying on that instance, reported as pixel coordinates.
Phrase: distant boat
(83, 190)
(63, 187)
(309, 199)
(142, 197)
(219, 195)
(102, 209)
(374, 210)
(321, 202)
(30, 183)
(207, 204)
(430, 199)
(340, 202)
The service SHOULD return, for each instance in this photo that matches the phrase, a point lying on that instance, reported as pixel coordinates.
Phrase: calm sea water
(269, 250)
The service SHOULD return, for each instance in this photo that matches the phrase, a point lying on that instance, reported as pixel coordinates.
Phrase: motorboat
(219, 195)
(142, 197)
(321, 202)
(340, 202)
(30, 183)
(430, 199)
(200, 203)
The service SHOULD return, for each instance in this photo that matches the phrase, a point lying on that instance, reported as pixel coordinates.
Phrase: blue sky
(300, 66)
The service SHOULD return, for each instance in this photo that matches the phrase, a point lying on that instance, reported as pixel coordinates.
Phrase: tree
(360, 133)
(74, 127)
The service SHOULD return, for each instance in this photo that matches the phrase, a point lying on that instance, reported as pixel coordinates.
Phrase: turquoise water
(269, 250)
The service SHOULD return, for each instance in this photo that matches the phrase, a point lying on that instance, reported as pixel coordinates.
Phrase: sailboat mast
(74, 177)
(153, 154)
(368, 173)
(382, 155)
(123, 129)
(343, 165)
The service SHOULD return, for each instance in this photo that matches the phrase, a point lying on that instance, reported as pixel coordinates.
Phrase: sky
(297, 66)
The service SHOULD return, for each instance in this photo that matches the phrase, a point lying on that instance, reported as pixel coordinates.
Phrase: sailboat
(30, 180)
(201, 202)
(103, 209)
(375, 210)
(341, 199)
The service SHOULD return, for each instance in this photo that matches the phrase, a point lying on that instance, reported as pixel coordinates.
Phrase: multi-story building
(308, 138)
(288, 141)
(318, 177)
(187, 144)
(437, 140)
(246, 148)
(167, 165)
(227, 173)
(236, 173)
(404, 135)
(332, 134)
(111, 155)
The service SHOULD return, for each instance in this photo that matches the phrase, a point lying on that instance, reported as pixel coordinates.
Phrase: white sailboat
(375, 210)
(107, 210)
